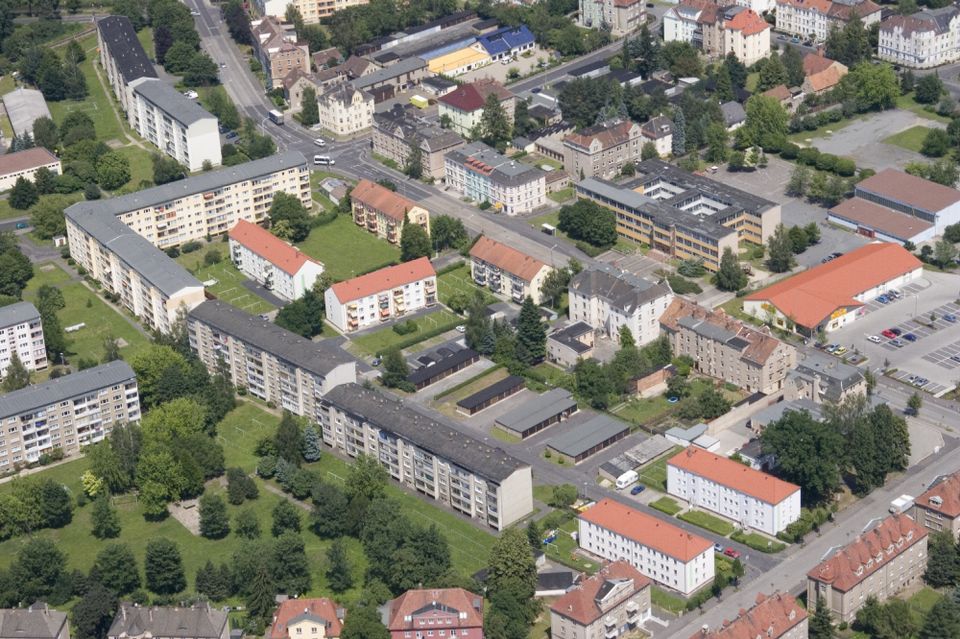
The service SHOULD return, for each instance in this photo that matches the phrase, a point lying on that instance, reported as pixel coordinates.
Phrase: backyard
(654, 474)
(386, 338)
(346, 250)
(651, 411)
(229, 280)
(459, 281)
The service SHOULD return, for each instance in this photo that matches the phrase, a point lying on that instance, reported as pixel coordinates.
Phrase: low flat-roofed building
(938, 508)
(507, 271)
(487, 397)
(540, 412)
(913, 195)
(824, 379)
(21, 333)
(446, 464)
(566, 346)
(778, 616)
(382, 295)
(384, 212)
(264, 257)
(607, 298)
(24, 107)
(37, 621)
(122, 57)
(588, 438)
(442, 367)
(25, 164)
(200, 621)
(881, 223)
(614, 599)
(461, 61)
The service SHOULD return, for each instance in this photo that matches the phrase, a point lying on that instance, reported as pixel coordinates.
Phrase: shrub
(826, 161)
(789, 151)
(845, 167)
(405, 328)
(589, 249)
(190, 247)
(683, 286)
(173, 252)
(808, 156)
(483, 206)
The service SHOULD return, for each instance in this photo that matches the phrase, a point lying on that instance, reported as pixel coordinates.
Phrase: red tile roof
(647, 530)
(779, 92)
(270, 247)
(733, 475)
(608, 135)
(771, 618)
(470, 97)
(438, 602)
(812, 296)
(380, 198)
(383, 280)
(580, 604)
(293, 610)
(910, 190)
(868, 553)
(948, 492)
(506, 258)
(24, 160)
(816, 63)
(749, 22)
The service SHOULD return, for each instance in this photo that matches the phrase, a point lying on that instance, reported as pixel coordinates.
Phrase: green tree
(261, 592)
(914, 404)
(311, 443)
(45, 133)
(164, 567)
(328, 519)
(23, 195)
(289, 568)
(338, 573)
(289, 209)
(310, 114)
(717, 143)
(496, 129)
(724, 87)
(286, 517)
(809, 454)
(943, 567)
(563, 496)
(448, 232)
(93, 614)
(767, 121)
(113, 170)
(593, 383)
(214, 521)
(944, 253)
(780, 251)
(793, 63)
(943, 620)
(38, 569)
(166, 169)
(851, 44)
(871, 86)
(288, 440)
(936, 143)
(928, 89)
(17, 375)
(730, 276)
(116, 568)
(413, 166)
(396, 371)
(47, 218)
(799, 183)
(414, 241)
(821, 622)
(246, 524)
(772, 73)
(104, 520)
(891, 620)
(363, 622)
(512, 577)
(531, 333)
(679, 138)
(588, 221)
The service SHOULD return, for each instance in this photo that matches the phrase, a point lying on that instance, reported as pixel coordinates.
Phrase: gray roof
(438, 82)
(394, 70)
(403, 121)
(568, 336)
(196, 622)
(622, 290)
(711, 331)
(537, 409)
(581, 438)
(835, 376)
(23, 106)
(121, 40)
(687, 434)
(503, 169)
(773, 413)
(343, 93)
(38, 621)
(655, 169)
(733, 113)
(318, 358)
(426, 432)
(63, 388)
(172, 102)
(18, 313)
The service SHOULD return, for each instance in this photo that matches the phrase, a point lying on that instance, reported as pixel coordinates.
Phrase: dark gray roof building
(403, 120)
(620, 289)
(120, 38)
(63, 388)
(834, 378)
(197, 622)
(18, 313)
(733, 113)
(538, 413)
(588, 438)
(172, 102)
(38, 621)
(499, 168)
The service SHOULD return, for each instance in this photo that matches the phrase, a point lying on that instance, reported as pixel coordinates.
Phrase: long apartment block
(684, 215)
(427, 455)
(122, 56)
(270, 362)
(21, 332)
(67, 413)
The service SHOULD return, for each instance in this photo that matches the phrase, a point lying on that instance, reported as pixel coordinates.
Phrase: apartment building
(280, 53)
(270, 362)
(668, 555)
(25, 164)
(313, 11)
(602, 150)
(380, 296)
(463, 106)
(607, 298)
(397, 132)
(684, 215)
(483, 175)
(749, 497)
(173, 123)
(416, 613)
(122, 57)
(779, 616)
(319, 618)
(824, 379)
(923, 40)
(719, 29)
(938, 508)
(208, 204)
(659, 132)
(68, 412)
(21, 333)
(199, 621)
(613, 601)
(507, 271)
(42, 621)
(345, 110)
(815, 18)
(620, 16)
(725, 348)
(265, 258)
(888, 556)
(427, 455)
(384, 212)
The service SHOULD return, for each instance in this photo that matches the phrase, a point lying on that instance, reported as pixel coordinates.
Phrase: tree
(113, 170)
(23, 195)
(260, 600)
(799, 183)
(363, 622)
(246, 524)
(849, 45)
(682, 59)
(730, 276)
(367, 478)
(793, 63)
(38, 569)
(286, 517)
(767, 121)
(679, 139)
(289, 567)
(914, 404)
(871, 86)
(821, 622)
(289, 209)
(164, 567)
(288, 440)
(45, 133)
(717, 140)
(512, 576)
(166, 169)
(305, 315)
(448, 232)
(214, 522)
(93, 614)
(809, 454)
(106, 523)
(47, 218)
(116, 568)
(531, 333)
(15, 267)
(414, 241)
(310, 114)
(45, 180)
(773, 73)
(936, 143)
(928, 89)
(328, 519)
(891, 620)
(311, 443)
(17, 375)
(943, 620)
(338, 574)
(413, 166)
(496, 129)
(396, 371)
(943, 567)
(944, 253)
(588, 221)
(780, 250)
(563, 496)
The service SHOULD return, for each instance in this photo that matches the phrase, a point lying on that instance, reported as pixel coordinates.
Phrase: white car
(461, 329)
(194, 13)
(319, 142)
(875, 339)
(193, 95)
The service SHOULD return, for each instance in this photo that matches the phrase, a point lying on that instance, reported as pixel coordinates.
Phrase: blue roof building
(507, 42)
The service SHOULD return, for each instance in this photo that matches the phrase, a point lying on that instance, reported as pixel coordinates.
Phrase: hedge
(449, 268)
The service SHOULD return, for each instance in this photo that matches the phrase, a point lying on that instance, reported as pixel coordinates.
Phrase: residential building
(173, 123)
(384, 212)
(912, 195)
(821, 74)
(668, 555)
(607, 299)
(603, 149)
(923, 40)
(25, 164)
(24, 107)
(938, 508)
(507, 271)
(659, 131)
(21, 333)
(386, 82)
(270, 362)
(734, 115)
(295, 82)
(620, 16)
(307, 618)
(568, 345)
(397, 132)
(814, 18)
(507, 42)
(464, 105)
(888, 556)
(281, 268)
(382, 295)
(208, 204)
(829, 296)
(122, 57)
(483, 175)
(68, 413)
(427, 455)
(613, 601)
(460, 61)
(779, 616)
(199, 621)
(684, 215)
(719, 29)
(345, 110)
(313, 11)
(280, 53)
(726, 348)
(416, 613)
(745, 34)
(749, 497)
(37, 621)
(824, 379)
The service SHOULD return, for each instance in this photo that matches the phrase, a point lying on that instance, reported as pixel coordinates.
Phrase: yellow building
(460, 61)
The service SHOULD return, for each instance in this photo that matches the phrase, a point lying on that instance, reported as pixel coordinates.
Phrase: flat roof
(23, 107)
(120, 38)
(537, 410)
(408, 65)
(493, 390)
(17, 313)
(63, 388)
(172, 102)
(909, 190)
(580, 438)
(867, 214)
(441, 366)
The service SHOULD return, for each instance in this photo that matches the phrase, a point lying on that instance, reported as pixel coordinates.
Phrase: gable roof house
(821, 73)
(37, 621)
(307, 619)
(778, 616)
(464, 105)
(145, 622)
(454, 608)
(938, 508)
(618, 592)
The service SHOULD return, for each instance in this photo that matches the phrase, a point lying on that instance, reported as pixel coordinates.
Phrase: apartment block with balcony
(507, 271)
(483, 175)
(313, 11)
(603, 149)
(607, 299)
(279, 267)
(612, 602)
(383, 212)
(923, 40)
(385, 294)
(425, 454)
(173, 123)
(270, 362)
(68, 413)
(21, 333)
(345, 110)
(815, 18)
(122, 57)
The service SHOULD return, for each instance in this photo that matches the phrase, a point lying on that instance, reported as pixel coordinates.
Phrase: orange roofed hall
(383, 295)
(832, 295)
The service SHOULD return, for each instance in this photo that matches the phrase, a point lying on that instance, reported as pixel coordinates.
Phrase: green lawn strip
(240, 431)
(644, 410)
(666, 505)
(922, 602)
(346, 250)
(562, 195)
(387, 338)
(908, 103)
(758, 542)
(543, 492)
(459, 280)
(800, 137)
(667, 601)
(707, 522)
(7, 212)
(654, 474)
(552, 218)
(145, 36)
(67, 473)
(910, 139)
(229, 285)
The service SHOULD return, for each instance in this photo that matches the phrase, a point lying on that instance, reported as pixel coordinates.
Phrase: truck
(627, 479)
(901, 504)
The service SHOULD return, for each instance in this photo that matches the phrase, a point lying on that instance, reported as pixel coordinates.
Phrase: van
(626, 479)
(323, 160)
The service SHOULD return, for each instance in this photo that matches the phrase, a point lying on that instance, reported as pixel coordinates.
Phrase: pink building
(422, 614)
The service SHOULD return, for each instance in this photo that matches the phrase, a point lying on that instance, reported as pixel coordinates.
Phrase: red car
(888, 333)
(730, 552)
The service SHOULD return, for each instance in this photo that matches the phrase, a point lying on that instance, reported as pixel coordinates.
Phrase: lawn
(801, 136)
(908, 103)
(667, 601)
(910, 139)
(240, 431)
(8, 212)
(346, 250)
(643, 411)
(708, 522)
(922, 602)
(141, 166)
(459, 280)
(84, 306)
(145, 36)
(562, 195)
(67, 474)
(666, 505)
(758, 542)
(229, 286)
(386, 338)
(552, 218)
(563, 549)
(654, 474)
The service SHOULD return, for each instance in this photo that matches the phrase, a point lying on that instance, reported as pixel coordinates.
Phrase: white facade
(601, 301)
(281, 268)
(923, 41)
(345, 110)
(382, 295)
(21, 332)
(680, 23)
(815, 19)
(483, 175)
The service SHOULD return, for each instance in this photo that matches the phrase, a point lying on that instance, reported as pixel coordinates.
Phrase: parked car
(950, 317)
(730, 552)
(888, 333)
(897, 331)
(911, 379)
(955, 358)
(375, 362)
(910, 337)
(832, 347)
(836, 255)
(874, 338)
(22, 225)
(840, 351)
(461, 328)
(883, 299)
(898, 342)
(636, 490)
(717, 548)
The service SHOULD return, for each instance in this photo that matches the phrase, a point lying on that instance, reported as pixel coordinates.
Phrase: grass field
(707, 522)
(910, 139)
(141, 166)
(908, 103)
(229, 286)
(458, 280)
(562, 195)
(666, 505)
(563, 548)
(7, 212)
(145, 36)
(240, 431)
(758, 542)
(647, 411)
(654, 474)
(387, 338)
(346, 250)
